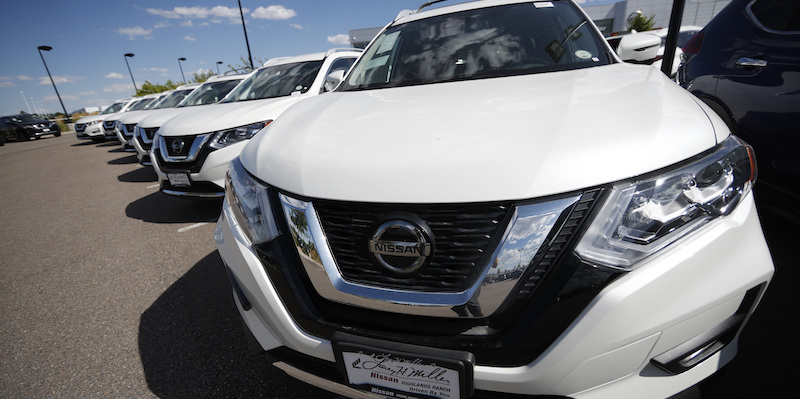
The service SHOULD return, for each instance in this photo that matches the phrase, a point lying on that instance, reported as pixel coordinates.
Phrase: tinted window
(141, 104)
(114, 108)
(487, 42)
(276, 81)
(780, 15)
(172, 99)
(210, 93)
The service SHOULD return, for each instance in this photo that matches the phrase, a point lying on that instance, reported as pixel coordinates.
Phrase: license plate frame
(179, 179)
(402, 370)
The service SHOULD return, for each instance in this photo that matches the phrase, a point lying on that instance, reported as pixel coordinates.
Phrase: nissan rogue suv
(467, 216)
(191, 151)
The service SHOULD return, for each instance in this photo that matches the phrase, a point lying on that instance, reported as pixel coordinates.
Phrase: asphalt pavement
(111, 289)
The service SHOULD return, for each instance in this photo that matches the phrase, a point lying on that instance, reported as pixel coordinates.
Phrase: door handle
(751, 62)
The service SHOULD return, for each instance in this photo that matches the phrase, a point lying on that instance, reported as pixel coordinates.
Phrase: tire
(57, 134)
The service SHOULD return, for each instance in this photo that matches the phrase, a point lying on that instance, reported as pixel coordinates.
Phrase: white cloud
(24, 77)
(197, 12)
(118, 88)
(154, 69)
(7, 84)
(45, 80)
(339, 39)
(189, 38)
(134, 32)
(273, 13)
(296, 26)
(115, 75)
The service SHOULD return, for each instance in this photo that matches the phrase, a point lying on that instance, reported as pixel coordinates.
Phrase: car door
(760, 84)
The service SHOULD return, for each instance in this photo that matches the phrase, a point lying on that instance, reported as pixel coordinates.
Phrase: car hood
(133, 116)
(157, 117)
(482, 140)
(90, 118)
(217, 117)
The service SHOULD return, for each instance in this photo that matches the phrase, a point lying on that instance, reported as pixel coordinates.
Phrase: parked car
(124, 125)
(745, 65)
(91, 127)
(26, 126)
(466, 215)
(191, 151)
(139, 104)
(211, 92)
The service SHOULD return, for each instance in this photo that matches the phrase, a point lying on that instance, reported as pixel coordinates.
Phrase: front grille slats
(462, 235)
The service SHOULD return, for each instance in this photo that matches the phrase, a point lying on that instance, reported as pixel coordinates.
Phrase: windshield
(141, 104)
(210, 93)
(114, 108)
(497, 41)
(171, 100)
(276, 81)
(27, 118)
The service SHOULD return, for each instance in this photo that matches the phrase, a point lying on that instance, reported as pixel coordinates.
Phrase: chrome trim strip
(521, 241)
(192, 194)
(323, 383)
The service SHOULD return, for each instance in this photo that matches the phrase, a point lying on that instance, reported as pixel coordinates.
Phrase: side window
(341, 64)
(777, 15)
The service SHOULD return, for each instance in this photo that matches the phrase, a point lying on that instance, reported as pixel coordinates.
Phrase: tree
(640, 23)
(152, 88)
(244, 65)
(200, 77)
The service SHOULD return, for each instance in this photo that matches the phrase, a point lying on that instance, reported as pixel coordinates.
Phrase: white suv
(191, 151)
(91, 127)
(211, 92)
(123, 126)
(466, 215)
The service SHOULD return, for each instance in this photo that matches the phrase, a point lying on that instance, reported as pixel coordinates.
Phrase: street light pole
(179, 66)
(247, 42)
(135, 89)
(48, 48)
(218, 62)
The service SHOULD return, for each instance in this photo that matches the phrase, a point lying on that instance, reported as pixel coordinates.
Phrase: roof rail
(430, 3)
(339, 50)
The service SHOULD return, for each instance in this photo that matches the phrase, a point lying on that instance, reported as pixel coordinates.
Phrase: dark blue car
(745, 64)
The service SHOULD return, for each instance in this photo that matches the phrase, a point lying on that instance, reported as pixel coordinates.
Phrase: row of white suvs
(467, 213)
(190, 134)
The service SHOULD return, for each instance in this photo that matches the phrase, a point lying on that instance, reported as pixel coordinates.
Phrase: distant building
(89, 110)
(612, 18)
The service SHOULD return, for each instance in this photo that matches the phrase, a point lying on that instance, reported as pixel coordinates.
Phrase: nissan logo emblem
(177, 145)
(400, 246)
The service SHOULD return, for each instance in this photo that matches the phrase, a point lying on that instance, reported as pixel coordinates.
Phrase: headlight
(642, 217)
(94, 122)
(227, 137)
(249, 201)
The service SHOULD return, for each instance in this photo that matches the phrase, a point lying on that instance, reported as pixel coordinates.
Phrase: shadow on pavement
(192, 344)
(141, 175)
(126, 160)
(162, 208)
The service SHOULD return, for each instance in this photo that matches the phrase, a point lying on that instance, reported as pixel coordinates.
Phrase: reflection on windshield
(141, 104)
(210, 93)
(172, 99)
(276, 81)
(114, 108)
(487, 42)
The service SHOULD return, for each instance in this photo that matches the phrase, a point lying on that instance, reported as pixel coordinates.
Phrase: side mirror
(333, 79)
(639, 47)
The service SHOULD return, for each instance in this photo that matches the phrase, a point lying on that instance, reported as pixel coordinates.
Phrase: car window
(210, 93)
(172, 99)
(486, 42)
(141, 104)
(778, 15)
(277, 81)
(114, 108)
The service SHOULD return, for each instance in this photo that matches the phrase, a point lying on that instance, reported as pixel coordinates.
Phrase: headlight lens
(249, 201)
(641, 218)
(94, 122)
(227, 137)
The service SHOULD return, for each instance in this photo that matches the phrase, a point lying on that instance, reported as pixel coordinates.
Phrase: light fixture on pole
(135, 89)
(48, 48)
(179, 66)
(247, 42)
(218, 63)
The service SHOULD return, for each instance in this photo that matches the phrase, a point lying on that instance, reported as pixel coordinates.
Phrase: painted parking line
(194, 226)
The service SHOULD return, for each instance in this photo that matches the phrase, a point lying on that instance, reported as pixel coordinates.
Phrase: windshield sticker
(543, 4)
(388, 43)
(556, 50)
(583, 54)
(377, 62)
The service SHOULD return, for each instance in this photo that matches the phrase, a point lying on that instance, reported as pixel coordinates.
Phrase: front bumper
(90, 132)
(206, 174)
(714, 275)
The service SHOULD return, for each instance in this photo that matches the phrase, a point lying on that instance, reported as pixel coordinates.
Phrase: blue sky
(90, 37)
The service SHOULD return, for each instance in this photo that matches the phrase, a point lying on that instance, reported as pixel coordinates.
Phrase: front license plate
(404, 371)
(179, 179)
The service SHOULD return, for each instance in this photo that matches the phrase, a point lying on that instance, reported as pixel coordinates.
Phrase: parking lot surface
(109, 288)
